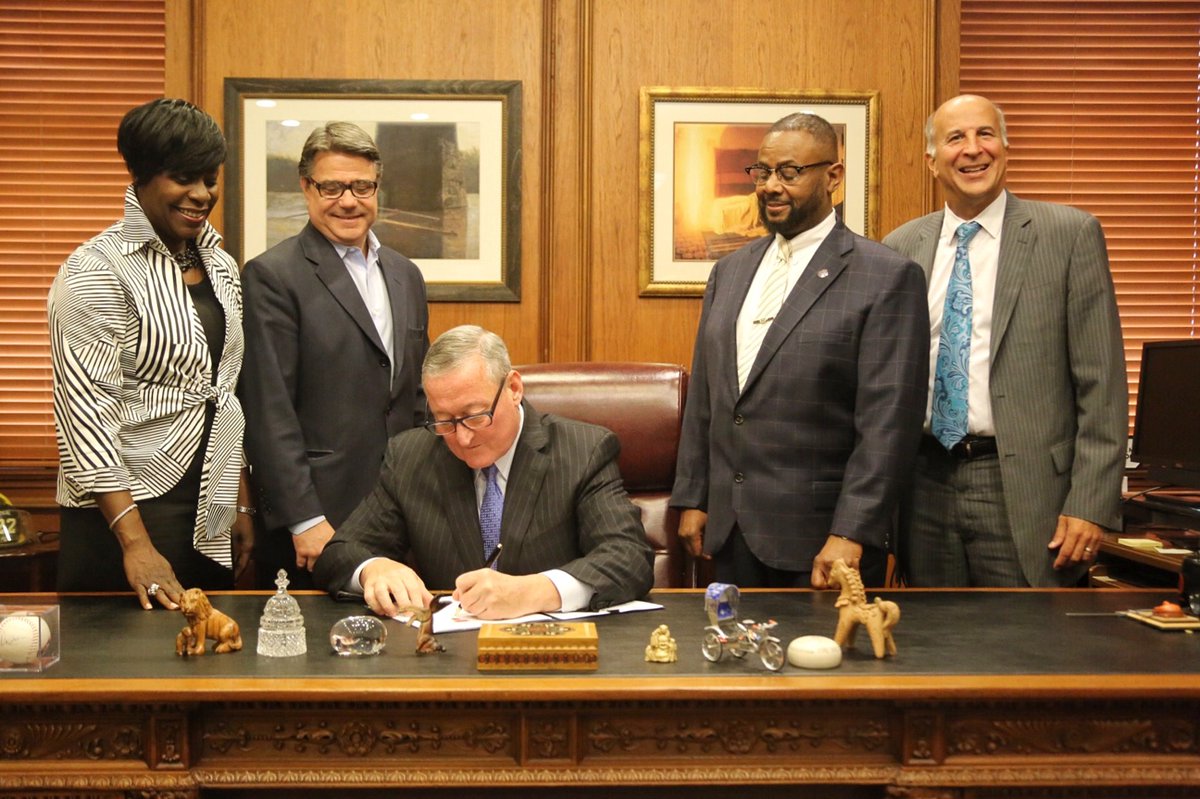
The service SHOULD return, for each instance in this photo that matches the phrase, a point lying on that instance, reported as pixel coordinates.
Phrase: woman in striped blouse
(146, 343)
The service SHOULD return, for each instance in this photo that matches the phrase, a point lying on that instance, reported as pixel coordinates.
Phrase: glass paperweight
(281, 629)
(356, 636)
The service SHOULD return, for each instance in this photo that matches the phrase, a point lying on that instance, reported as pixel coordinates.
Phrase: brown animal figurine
(204, 621)
(879, 617)
(427, 644)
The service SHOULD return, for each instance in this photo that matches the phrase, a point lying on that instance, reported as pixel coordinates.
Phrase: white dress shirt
(984, 253)
(803, 247)
(367, 275)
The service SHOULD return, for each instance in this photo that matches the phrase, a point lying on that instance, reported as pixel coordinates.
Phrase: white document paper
(452, 618)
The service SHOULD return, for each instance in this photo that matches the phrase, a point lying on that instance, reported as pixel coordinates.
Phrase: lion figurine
(205, 621)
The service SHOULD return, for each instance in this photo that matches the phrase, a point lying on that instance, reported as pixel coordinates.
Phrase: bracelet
(247, 511)
(121, 515)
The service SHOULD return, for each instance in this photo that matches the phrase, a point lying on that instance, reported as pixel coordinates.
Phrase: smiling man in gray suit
(571, 536)
(808, 383)
(1019, 494)
(336, 327)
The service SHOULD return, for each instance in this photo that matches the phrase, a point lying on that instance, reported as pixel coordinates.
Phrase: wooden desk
(993, 693)
(1121, 566)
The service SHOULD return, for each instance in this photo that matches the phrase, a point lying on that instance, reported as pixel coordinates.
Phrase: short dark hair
(815, 126)
(169, 136)
(339, 137)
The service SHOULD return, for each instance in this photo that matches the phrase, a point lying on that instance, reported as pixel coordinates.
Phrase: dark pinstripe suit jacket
(565, 507)
(1058, 385)
(825, 431)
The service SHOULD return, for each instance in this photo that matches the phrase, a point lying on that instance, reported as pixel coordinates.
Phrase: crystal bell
(281, 628)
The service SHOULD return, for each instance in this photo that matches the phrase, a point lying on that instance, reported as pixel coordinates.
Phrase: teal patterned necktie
(490, 511)
(951, 379)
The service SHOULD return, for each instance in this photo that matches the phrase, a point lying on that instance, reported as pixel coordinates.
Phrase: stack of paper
(452, 618)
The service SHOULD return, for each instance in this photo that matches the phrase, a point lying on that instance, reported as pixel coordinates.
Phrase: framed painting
(698, 203)
(450, 187)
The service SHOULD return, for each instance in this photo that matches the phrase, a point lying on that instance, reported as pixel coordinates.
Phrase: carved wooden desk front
(1001, 689)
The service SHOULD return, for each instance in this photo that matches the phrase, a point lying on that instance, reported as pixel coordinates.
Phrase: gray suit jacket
(565, 507)
(320, 396)
(1058, 385)
(822, 437)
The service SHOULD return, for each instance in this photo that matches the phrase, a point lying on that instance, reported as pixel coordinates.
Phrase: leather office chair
(643, 404)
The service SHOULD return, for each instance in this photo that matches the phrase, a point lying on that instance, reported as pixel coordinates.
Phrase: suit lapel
(397, 289)
(1017, 239)
(332, 272)
(827, 263)
(743, 269)
(525, 478)
(927, 241)
(462, 513)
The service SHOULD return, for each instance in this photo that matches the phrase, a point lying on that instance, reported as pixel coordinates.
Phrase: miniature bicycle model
(725, 632)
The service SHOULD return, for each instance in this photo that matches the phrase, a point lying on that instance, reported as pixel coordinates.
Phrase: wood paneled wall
(582, 63)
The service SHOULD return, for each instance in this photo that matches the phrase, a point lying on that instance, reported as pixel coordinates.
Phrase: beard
(800, 217)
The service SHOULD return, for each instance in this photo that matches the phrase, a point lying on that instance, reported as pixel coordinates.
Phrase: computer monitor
(1166, 428)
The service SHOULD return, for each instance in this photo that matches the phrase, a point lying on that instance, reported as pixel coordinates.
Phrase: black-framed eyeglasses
(334, 189)
(787, 173)
(476, 421)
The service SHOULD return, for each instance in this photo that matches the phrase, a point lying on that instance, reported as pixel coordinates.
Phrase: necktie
(951, 377)
(490, 511)
(769, 303)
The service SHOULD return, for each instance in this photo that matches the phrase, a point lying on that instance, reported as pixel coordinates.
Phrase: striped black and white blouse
(132, 374)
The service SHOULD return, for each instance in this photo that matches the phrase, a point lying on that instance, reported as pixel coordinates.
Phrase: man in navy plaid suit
(808, 382)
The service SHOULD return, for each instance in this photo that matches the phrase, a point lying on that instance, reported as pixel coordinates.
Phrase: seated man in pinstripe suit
(571, 537)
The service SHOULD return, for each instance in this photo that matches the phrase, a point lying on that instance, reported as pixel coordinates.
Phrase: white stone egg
(814, 652)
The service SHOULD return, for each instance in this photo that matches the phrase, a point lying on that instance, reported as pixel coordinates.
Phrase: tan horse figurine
(879, 617)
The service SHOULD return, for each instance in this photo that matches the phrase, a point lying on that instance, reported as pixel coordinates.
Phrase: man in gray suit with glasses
(1020, 468)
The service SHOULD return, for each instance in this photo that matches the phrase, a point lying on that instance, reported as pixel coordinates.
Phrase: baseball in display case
(28, 637)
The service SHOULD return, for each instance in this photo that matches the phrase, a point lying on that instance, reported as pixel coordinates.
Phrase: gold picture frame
(696, 202)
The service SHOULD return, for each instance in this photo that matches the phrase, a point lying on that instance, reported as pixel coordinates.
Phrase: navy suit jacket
(320, 395)
(565, 507)
(822, 437)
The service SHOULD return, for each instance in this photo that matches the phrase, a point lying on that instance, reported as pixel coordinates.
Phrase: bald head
(968, 153)
(958, 101)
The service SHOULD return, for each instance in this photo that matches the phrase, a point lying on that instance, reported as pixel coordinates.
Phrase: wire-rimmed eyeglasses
(476, 421)
(787, 173)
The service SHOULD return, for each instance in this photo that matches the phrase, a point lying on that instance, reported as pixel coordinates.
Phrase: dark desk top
(995, 642)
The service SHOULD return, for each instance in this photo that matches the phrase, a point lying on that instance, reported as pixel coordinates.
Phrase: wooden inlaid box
(538, 646)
